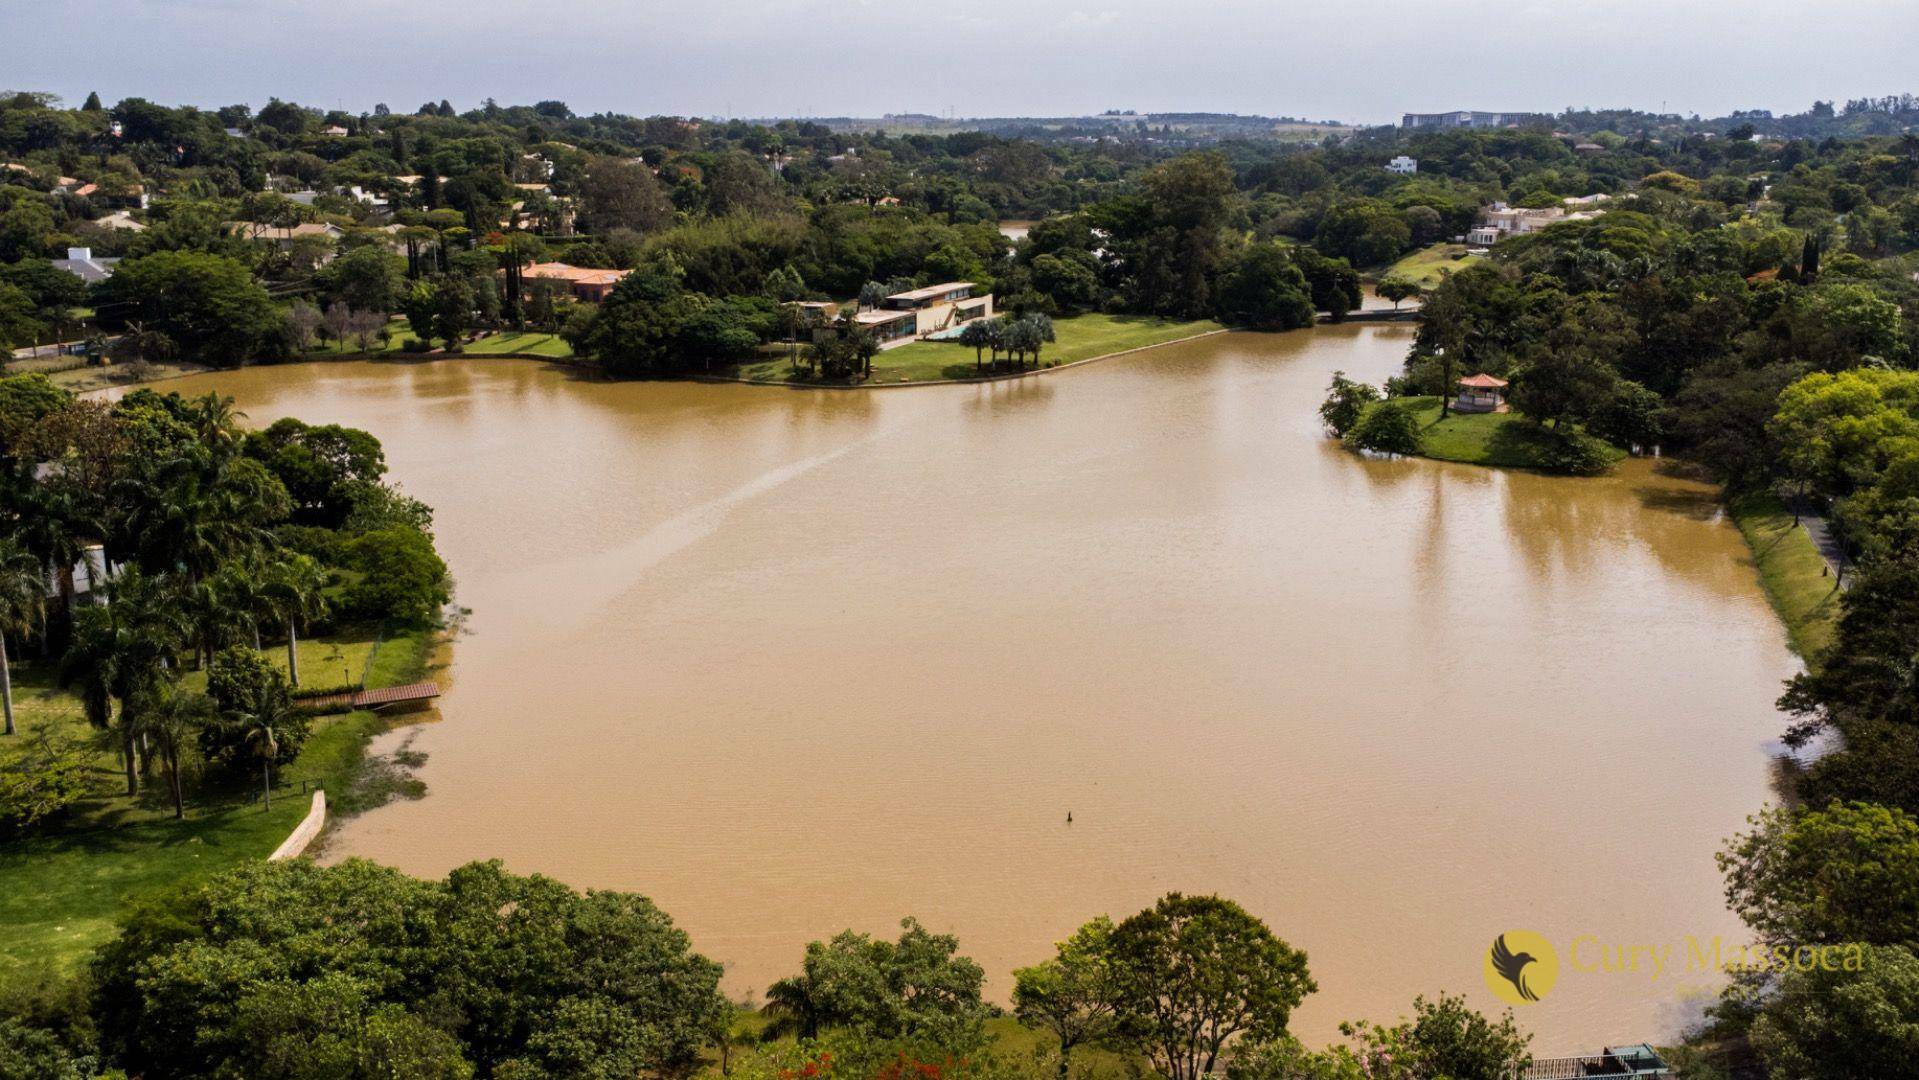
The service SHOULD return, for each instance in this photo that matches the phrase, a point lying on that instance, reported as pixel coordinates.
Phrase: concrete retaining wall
(303, 834)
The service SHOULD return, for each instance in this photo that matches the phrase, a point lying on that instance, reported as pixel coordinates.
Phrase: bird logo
(1521, 967)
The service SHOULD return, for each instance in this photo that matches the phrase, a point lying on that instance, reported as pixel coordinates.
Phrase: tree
(1346, 401)
(1363, 231)
(1266, 291)
(453, 302)
(249, 694)
(1850, 1019)
(617, 194)
(360, 970)
(302, 319)
(171, 718)
(119, 652)
(917, 987)
(403, 578)
(1194, 974)
(208, 304)
(293, 593)
(1443, 1038)
(1335, 284)
(1075, 994)
(23, 597)
(1562, 383)
(978, 335)
(1391, 427)
(1397, 289)
(1849, 872)
(365, 279)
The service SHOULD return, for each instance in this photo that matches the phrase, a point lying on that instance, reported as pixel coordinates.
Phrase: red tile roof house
(589, 285)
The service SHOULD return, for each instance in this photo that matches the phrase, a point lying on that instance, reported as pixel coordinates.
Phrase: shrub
(415, 345)
(1391, 427)
(1572, 453)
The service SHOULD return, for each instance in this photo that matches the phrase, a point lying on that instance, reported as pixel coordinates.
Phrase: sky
(1316, 59)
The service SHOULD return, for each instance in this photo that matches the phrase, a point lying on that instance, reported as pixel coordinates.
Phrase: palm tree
(91, 666)
(262, 729)
(23, 597)
(171, 716)
(794, 1009)
(121, 651)
(292, 595)
(54, 528)
(978, 334)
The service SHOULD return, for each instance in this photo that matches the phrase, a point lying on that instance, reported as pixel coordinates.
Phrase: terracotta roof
(1486, 382)
(577, 274)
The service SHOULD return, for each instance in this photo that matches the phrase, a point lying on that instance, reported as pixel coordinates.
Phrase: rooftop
(577, 274)
(931, 291)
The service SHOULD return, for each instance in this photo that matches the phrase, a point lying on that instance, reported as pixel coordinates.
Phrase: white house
(1403, 165)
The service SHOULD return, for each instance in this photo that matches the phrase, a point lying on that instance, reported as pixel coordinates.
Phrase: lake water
(792, 661)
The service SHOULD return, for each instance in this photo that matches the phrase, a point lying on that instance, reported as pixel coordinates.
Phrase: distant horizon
(74, 100)
(1315, 59)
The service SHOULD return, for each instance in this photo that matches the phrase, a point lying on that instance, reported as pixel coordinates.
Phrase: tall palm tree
(122, 651)
(262, 728)
(293, 595)
(23, 597)
(171, 716)
(54, 528)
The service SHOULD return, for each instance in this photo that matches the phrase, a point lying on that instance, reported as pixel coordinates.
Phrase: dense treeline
(431, 215)
(283, 970)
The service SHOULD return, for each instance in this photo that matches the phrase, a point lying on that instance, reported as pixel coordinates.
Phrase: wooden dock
(384, 698)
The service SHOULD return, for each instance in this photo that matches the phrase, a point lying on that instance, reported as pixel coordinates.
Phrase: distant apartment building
(1403, 165)
(1467, 118)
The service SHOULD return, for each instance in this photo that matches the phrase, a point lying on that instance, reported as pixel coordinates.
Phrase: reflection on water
(789, 662)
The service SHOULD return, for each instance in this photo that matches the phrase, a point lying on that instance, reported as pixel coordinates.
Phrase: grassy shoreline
(1082, 338)
(1494, 440)
(1803, 594)
(60, 893)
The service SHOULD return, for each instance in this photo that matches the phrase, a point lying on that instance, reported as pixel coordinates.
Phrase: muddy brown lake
(791, 661)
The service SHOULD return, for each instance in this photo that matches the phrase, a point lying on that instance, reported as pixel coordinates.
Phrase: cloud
(1080, 19)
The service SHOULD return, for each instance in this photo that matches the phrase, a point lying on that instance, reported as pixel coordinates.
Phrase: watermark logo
(1521, 967)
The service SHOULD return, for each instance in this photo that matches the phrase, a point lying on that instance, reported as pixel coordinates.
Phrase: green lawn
(1792, 571)
(1428, 266)
(548, 345)
(1081, 337)
(60, 893)
(1501, 440)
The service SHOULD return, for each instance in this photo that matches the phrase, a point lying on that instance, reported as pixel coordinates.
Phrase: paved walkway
(1820, 531)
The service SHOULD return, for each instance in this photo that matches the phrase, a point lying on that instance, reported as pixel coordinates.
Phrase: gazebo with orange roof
(1480, 394)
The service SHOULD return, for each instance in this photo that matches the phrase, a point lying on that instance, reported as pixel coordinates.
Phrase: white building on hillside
(1403, 165)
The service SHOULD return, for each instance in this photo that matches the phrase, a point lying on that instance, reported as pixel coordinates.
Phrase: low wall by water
(303, 834)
